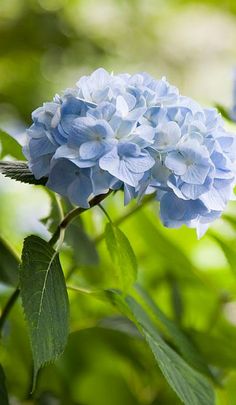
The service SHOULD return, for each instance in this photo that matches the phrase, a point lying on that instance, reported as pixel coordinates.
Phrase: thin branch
(123, 218)
(105, 213)
(72, 215)
(11, 301)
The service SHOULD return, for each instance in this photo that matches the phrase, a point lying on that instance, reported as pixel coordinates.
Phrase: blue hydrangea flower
(138, 134)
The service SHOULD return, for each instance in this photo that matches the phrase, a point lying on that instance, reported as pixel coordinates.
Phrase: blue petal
(89, 129)
(195, 174)
(176, 162)
(41, 146)
(91, 150)
(176, 212)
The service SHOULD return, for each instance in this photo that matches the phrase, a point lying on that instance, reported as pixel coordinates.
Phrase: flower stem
(72, 215)
(58, 235)
(11, 301)
(105, 212)
(123, 218)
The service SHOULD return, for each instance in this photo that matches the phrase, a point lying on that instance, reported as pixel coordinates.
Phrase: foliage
(152, 311)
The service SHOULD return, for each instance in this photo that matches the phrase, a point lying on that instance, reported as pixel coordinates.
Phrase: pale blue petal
(195, 174)
(91, 150)
(176, 162)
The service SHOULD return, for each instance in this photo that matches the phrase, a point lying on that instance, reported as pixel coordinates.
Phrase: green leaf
(45, 300)
(9, 146)
(230, 219)
(122, 255)
(183, 342)
(9, 264)
(218, 347)
(83, 248)
(190, 386)
(176, 262)
(3, 390)
(19, 171)
(224, 112)
(54, 216)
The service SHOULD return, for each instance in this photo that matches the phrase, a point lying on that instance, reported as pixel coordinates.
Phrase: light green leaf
(9, 264)
(3, 390)
(230, 219)
(177, 262)
(190, 386)
(218, 347)
(122, 255)
(9, 146)
(19, 171)
(45, 300)
(229, 252)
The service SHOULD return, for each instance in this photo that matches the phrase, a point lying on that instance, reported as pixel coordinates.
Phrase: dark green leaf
(54, 217)
(9, 146)
(184, 344)
(19, 171)
(191, 386)
(45, 300)
(122, 255)
(3, 390)
(9, 264)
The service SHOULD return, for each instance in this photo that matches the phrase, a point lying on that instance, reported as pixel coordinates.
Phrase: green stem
(11, 301)
(58, 235)
(105, 212)
(72, 215)
(121, 219)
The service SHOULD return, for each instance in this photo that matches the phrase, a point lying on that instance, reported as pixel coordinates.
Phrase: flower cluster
(138, 134)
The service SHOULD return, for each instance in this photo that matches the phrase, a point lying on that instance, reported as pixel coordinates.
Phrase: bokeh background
(45, 46)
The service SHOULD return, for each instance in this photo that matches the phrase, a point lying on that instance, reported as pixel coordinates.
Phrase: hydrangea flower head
(138, 134)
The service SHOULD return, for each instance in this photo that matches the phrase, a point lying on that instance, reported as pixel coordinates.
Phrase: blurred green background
(45, 46)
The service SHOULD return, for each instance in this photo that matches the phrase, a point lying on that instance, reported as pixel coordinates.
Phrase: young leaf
(190, 386)
(9, 146)
(45, 300)
(122, 255)
(19, 171)
(3, 390)
(9, 265)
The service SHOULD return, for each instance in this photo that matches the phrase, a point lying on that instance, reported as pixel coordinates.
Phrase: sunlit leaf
(175, 259)
(9, 146)
(219, 349)
(45, 300)
(229, 252)
(224, 112)
(122, 255)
